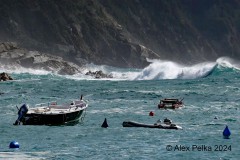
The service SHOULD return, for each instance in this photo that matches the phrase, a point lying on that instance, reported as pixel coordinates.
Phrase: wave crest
(227, 62)
(156, 70)
(159, 69)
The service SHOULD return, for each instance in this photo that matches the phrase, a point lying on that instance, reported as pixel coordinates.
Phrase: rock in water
(5, 77)
(98, 74)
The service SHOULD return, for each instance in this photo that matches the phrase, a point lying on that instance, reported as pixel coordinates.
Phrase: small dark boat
(170, 103)
(166, 125)
(51, 113)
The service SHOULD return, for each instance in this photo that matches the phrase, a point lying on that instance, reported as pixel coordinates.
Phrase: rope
(84, 114)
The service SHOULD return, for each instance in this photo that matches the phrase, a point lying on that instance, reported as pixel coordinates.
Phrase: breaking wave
(156, 70)
(159, 69)
(19, 70)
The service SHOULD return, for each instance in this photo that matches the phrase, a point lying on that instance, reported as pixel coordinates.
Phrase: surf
(160, 69)
(156, 70)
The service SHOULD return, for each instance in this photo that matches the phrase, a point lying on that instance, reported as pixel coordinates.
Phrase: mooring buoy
(105, 124)
(151, 113)
(226, 133)
(14, 144)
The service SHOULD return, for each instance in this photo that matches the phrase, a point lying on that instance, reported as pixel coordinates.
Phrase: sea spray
(156, 70)
(159, 69)
(227, 62)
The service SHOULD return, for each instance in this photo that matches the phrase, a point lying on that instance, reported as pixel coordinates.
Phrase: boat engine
(21, 113)
(167, 121)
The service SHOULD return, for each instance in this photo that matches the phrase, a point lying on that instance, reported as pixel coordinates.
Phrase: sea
(209, 90)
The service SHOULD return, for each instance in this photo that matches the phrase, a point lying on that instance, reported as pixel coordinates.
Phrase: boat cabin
(170, 103)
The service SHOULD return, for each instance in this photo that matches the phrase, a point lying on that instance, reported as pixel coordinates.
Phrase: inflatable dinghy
(156, 125)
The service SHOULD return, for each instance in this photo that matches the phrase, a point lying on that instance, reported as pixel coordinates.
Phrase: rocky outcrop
(99, 74)
(5, 77)
(7, 46)
(14, 56)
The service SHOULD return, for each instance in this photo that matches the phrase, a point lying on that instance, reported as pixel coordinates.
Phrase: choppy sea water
(211, 97)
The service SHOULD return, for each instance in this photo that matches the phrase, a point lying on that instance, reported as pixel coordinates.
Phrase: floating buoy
(105, 124)
(226, 133)
(151, 113)
(14, 144)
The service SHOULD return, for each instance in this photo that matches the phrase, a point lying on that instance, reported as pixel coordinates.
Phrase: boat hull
(160, 126)
(51, 119)
(169, 106)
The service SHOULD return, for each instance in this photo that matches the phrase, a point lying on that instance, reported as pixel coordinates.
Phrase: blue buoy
(14, 144)
(226, 133)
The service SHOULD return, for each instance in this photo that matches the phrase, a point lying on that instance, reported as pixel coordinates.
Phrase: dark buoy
(226, 133)
(14, 144)
(151, 113)
(105, 124)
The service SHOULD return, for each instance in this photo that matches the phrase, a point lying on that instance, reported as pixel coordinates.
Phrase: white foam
(18, 70)
(228, 63)
(159, 69)
(156, 70)
(21, 155)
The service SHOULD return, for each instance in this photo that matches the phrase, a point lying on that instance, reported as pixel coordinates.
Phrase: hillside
(124, 33)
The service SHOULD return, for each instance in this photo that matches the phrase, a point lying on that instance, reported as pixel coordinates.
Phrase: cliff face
(123, 33)
(14, 57)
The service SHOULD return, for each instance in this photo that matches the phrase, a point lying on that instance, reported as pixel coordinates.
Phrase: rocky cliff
(124, 33)
(13, 56)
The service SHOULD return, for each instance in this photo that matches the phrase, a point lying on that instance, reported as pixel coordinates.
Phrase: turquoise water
(211, 102)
